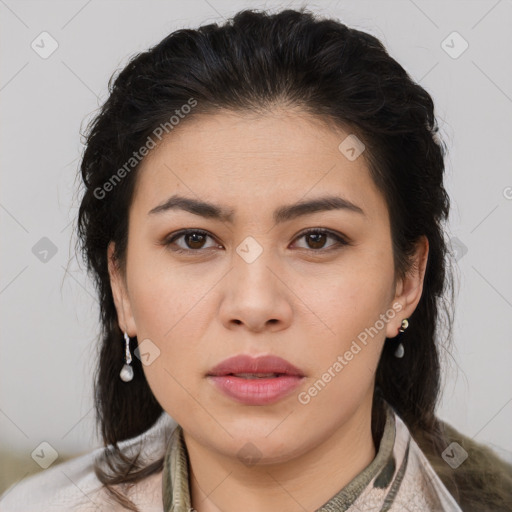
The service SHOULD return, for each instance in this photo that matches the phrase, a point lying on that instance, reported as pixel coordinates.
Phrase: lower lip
(262, 391)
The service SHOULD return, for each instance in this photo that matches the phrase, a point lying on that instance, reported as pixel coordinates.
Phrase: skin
(300, 299)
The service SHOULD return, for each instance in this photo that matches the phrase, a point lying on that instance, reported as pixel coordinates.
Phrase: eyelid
(334, 234)
(170, 239)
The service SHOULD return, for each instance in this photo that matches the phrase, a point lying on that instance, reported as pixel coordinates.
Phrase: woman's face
(254, 284)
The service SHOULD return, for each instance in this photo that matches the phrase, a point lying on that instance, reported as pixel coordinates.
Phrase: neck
(219, 483)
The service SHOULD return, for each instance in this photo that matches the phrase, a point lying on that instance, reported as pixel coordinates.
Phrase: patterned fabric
(399, 479)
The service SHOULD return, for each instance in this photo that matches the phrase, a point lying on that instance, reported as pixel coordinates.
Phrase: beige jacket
(400, 478)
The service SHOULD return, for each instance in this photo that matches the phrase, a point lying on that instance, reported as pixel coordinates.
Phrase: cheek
(351, 297)
(346, 358)
(167, 310)
(354, 310)
(354, 332)
(163, 295)
(169, 306)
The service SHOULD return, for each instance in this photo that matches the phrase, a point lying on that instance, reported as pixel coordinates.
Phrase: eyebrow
(281, 214)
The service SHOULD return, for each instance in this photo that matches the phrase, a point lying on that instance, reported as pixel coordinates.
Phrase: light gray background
(49, 316)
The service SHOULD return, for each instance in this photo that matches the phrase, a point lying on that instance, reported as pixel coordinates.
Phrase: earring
(127, 371)
(400, 351)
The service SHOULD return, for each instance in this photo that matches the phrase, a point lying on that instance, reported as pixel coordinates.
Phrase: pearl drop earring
(400, 351)
(126, 373)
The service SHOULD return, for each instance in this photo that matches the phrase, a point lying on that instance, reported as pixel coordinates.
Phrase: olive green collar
(175, 477)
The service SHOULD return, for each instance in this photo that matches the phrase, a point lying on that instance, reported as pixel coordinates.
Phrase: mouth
(255, 381)
(246, 366)
(256, 375)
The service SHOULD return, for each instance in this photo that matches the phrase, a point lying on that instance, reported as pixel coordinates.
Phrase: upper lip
(244, 363)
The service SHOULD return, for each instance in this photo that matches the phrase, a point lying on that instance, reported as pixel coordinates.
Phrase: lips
(245, 366)
(255, 381)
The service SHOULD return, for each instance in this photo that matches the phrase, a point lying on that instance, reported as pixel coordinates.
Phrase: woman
(263, 215)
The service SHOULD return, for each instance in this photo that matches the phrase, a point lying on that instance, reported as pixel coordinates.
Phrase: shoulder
(60, 487)
(421, 485)
(459, 471)
(483, 476)
(73, 485)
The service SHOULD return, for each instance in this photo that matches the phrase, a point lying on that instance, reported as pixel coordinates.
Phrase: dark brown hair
(252, 63)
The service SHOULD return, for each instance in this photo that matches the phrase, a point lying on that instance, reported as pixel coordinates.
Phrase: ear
(119, 291)
(409, 289)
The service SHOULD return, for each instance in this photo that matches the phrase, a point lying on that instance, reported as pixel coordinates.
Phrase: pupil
(319, 241)
(195, 236)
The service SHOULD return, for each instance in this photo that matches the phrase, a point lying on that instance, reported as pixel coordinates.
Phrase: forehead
(253, 159)
(227, 134)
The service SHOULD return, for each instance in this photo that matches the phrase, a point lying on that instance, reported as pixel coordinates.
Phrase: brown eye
(316, 239)
(193, 240)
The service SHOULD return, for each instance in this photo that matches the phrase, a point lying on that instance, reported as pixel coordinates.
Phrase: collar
(175, 477)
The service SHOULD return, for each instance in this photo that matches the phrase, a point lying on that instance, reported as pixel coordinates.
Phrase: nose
(256, 295)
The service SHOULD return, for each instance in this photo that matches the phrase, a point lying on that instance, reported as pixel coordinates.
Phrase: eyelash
(341, 241)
